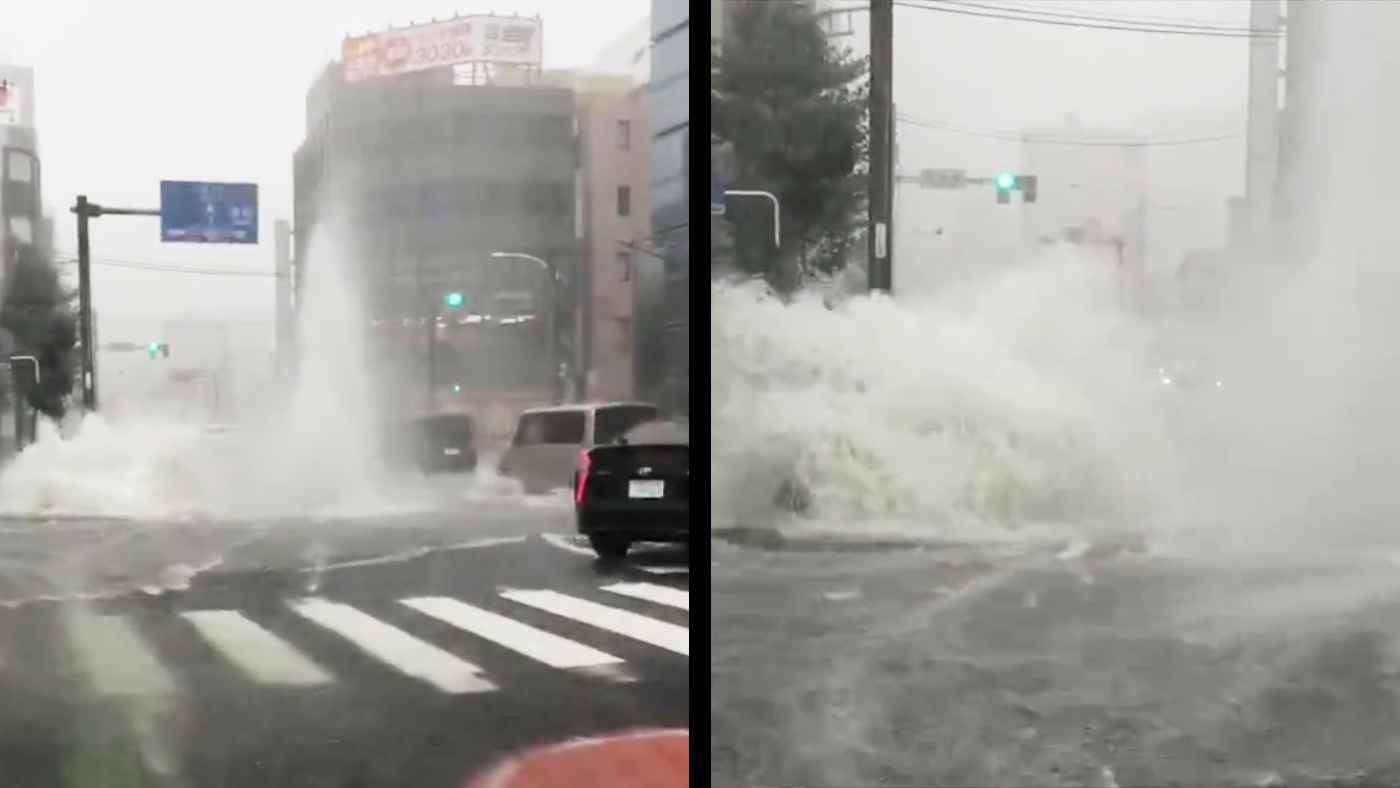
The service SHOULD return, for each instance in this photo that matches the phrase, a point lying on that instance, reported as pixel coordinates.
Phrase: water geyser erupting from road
(326, 453)
(318, 456)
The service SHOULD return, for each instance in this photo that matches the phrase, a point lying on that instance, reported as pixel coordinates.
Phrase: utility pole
(283, 297)
(881, 262)
(1262, 140)
(83, 210)
(87, 333)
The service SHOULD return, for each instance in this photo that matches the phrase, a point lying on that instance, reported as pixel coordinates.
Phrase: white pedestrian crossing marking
(562, 542)
(261, 655)
(665, 570)
(541, 646)
(394, 647)
(651, 592)
(114, 656)
(624, 622)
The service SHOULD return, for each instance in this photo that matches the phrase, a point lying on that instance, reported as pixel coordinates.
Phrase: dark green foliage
(37, 313)
(795, 109)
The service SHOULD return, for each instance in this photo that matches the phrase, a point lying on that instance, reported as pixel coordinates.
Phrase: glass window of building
(624, 201)
(21, 229)
(20, 166)
(624, 264)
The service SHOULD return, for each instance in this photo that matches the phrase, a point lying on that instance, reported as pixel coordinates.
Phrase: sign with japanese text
(10, 114)
(468, 39)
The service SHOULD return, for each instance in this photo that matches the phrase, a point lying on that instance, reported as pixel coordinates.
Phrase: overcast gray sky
(128, 94)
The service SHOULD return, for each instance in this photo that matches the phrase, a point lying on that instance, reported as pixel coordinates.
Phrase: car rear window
(561, 427)
(454, 428)
(657, 433)
(614, 421)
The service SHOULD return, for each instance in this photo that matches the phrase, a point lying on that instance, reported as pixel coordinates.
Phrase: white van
(543, 452)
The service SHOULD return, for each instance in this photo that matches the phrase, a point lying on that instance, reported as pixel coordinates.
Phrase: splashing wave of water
(979, 414)
(319, 458)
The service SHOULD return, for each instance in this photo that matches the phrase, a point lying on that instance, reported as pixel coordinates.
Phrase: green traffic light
(153, 348)
(1006, 181)
(456, 388)
(454, 300)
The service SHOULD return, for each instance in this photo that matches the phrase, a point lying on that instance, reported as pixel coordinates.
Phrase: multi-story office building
(613, 154)
(416, 181)
(663, 367)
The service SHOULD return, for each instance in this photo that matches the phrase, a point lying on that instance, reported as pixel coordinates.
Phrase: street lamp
(777, 213)
(553, 335)
(19, 403)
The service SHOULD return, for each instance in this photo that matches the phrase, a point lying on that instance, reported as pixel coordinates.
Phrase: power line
(1047, 140)
(1158, 22)
(174, 269)
(947, 9)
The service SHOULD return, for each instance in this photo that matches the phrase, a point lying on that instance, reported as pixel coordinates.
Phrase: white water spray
(319, 457)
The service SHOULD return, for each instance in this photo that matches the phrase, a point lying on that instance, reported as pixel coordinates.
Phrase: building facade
(22, 223)
(21, 210)
(663, 330)
(613, 155)
(416, 181)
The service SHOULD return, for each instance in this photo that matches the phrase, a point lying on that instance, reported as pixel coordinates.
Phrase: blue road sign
(716, 196)
(216, 213)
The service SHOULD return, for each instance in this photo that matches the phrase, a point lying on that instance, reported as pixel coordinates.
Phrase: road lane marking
(665, 570)
(264, 657)
(562, 542)
(651, 592)
(118, 663)
(115, 657)
(624, 622)
(394, 647)
(412, 555)
(541, 646)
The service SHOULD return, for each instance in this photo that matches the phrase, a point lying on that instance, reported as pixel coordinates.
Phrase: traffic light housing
(161, 348)
(454, 299)
(1007, 182)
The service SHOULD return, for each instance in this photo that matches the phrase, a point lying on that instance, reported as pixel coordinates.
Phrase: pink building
(613, 150)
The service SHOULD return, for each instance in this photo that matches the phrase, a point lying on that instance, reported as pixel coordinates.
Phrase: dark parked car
(636, 488)
(433, 443)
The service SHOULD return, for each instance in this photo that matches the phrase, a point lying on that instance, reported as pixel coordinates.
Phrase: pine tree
(795, 109)
(37, 313)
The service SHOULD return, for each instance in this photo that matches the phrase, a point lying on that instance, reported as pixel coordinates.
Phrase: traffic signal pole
(83, 210)
(880, 258)
(86, 210)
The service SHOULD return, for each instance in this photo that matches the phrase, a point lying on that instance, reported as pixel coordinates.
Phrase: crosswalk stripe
(624, 622)
(665, 570)
(562, 542)
(541, 646)
(651, 592)
(263, 656)
(394, 647)
(114, 656)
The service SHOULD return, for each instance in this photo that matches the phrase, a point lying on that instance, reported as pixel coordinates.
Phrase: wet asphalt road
(377, 652)
(959, 667)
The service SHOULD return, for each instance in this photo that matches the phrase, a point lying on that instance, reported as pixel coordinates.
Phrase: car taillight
(583, 463)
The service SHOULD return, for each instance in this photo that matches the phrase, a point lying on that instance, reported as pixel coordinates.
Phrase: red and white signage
(469, 39)
(9, 104)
